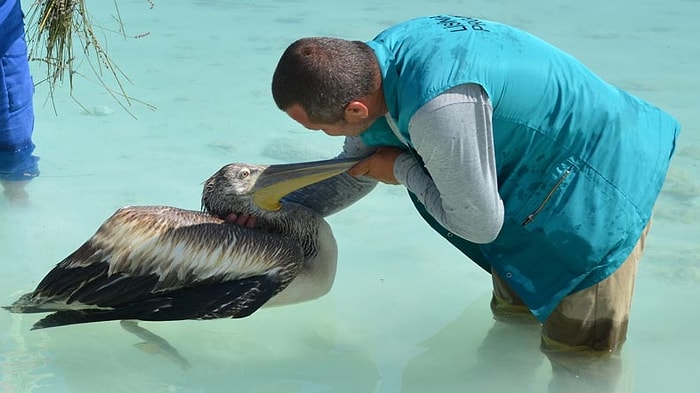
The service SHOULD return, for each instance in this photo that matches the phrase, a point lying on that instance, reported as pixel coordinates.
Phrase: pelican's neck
(293, 221)
(312, 232)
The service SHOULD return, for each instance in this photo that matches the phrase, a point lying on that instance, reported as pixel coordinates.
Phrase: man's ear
(356, 111)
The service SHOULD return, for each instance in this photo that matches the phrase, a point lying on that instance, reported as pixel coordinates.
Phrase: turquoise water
(407, 313)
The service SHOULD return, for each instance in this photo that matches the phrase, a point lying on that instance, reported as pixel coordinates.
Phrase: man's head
(329, 84)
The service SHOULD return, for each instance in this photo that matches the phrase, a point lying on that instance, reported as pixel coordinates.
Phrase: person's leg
(506, 305)
(584, 335)
(594, 319)
(17, 164)
(14, 190)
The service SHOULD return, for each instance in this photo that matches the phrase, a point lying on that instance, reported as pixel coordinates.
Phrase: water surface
(407, 312)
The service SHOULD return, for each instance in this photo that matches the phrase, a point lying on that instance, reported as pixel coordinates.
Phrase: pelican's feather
(164, 263)
(235, 299)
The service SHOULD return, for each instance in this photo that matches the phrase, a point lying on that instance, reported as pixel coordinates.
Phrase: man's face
(340, 128)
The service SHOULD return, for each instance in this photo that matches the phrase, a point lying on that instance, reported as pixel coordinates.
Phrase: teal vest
(580, 162)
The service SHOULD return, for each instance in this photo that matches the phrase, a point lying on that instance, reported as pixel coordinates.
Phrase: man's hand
(380, 165)
(244, 220)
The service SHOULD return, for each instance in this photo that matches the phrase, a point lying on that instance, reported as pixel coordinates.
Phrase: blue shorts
(16, 93)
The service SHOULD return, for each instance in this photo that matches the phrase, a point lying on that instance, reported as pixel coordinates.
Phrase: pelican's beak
(276, 181)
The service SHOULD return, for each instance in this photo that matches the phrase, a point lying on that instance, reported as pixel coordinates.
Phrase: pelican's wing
(235, 299)
(160, 263)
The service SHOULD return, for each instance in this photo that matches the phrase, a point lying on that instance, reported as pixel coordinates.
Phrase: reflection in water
(153, 343)
(573, 374)
(23, 368)
(292, 349)
(477, 353)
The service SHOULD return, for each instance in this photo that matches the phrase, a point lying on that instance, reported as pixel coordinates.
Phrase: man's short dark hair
(324, 75)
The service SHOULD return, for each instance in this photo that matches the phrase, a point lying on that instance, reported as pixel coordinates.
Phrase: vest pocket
(577, 215)
(531, 217)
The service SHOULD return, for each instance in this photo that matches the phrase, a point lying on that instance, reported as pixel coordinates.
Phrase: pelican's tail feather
(143, 310)
(234, 299)
(72, 317)
(26, 305)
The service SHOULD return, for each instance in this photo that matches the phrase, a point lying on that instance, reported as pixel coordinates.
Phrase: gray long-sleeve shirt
(453, 136)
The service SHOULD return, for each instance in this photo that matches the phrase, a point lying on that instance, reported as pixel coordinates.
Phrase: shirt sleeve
(453, 136)
(340, 191)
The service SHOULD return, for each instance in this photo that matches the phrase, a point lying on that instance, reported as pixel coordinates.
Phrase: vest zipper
(537, 211)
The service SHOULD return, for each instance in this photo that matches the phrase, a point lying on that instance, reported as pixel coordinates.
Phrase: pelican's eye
(243, 173)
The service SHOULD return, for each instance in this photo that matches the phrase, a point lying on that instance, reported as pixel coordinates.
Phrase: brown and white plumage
(162, 263)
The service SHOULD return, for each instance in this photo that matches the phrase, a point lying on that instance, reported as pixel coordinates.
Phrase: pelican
(160, 263)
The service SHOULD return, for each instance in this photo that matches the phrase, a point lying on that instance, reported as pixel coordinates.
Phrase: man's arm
(453, 136)
(340, 191)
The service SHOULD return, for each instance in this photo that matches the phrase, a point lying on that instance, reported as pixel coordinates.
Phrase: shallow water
(407, 313)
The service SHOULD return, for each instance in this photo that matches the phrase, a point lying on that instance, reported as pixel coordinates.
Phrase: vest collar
(390, 76)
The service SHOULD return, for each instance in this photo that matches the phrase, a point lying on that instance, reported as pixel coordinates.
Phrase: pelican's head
(246, 188)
